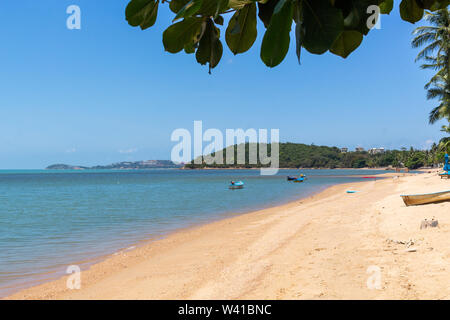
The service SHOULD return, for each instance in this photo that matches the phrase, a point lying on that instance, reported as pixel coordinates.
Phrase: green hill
(297, 155)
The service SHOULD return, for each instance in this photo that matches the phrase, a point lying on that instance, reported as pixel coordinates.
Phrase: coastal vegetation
(335, 26)
(297, 155)
(435, 40)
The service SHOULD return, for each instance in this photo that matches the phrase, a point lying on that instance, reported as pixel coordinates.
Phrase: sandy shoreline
(315, 248)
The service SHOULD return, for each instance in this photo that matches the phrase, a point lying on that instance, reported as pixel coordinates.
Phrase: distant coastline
(148, 164)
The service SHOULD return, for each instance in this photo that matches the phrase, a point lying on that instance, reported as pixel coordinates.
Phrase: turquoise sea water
(52, 219)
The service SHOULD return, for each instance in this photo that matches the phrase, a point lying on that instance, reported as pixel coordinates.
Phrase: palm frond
(435, 115)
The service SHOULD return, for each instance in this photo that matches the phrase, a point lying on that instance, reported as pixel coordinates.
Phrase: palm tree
(436, 55)
(444, 144)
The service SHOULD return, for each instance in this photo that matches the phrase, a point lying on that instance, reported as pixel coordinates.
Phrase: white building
(376, 150)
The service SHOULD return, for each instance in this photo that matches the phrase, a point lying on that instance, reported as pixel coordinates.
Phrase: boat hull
(418, 199)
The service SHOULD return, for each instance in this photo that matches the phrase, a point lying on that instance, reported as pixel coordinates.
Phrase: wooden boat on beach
(418, 199)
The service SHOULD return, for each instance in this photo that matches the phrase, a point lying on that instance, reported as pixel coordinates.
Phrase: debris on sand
(407, 244)
(429, 224)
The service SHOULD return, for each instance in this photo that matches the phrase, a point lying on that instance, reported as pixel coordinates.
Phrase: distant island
(148, 164)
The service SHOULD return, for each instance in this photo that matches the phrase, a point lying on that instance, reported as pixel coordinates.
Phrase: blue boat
(300, 178)
(236, 185)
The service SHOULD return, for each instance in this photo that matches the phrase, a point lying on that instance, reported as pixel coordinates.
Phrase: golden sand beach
(322, 247)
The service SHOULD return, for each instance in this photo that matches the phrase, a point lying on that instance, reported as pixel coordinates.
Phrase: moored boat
(418, 199)
(236, 185)
(300, 178)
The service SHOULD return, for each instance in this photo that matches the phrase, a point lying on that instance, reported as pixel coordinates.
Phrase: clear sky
(109, 92)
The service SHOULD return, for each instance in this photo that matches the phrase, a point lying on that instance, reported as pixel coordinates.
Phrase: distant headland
(148, 164)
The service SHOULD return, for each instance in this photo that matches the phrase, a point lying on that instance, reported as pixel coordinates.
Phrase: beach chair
(444, 175)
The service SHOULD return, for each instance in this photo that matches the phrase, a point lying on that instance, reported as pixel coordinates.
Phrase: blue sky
(109, 92)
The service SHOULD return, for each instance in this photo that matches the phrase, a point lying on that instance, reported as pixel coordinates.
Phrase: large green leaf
(210, 48)
(346, 43)
(182, 34)
(410, 11)
(142, 13)
(244, 21)
(275, 44)
(323, 24)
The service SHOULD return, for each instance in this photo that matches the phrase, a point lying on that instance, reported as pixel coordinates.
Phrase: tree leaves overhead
(337, 26)
(241, 32)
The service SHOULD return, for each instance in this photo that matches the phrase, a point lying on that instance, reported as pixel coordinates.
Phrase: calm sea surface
(52, 219)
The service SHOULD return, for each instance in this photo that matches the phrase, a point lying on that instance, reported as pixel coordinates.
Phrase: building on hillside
(344, 150)
(359, 149)
(376, 150)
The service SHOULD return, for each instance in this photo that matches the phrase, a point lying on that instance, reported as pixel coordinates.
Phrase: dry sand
(316, 248)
